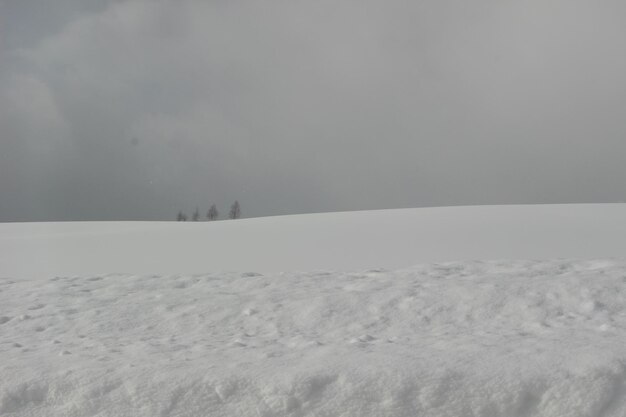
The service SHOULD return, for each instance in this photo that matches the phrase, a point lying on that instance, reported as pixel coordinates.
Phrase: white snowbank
(337, 241)
(519, 338)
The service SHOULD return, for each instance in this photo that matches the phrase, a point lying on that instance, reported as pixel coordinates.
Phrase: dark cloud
(136, 109)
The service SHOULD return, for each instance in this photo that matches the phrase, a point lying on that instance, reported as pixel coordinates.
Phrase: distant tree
(212, 214)
(235, 211)
(181, 217)
(196, 215)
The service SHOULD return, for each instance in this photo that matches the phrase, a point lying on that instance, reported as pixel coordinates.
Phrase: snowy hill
(136, 319)
(331, 241)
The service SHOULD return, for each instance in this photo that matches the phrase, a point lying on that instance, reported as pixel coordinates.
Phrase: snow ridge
(499, 338)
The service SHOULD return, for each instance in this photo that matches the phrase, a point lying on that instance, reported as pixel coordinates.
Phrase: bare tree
(235, 211)
(196, 215)
(212, 214)
(181, 217)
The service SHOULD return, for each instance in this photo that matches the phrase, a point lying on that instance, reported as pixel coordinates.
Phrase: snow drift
(465, 339)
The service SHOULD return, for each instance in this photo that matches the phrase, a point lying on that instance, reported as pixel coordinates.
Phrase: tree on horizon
(212, 214)
(235, 211)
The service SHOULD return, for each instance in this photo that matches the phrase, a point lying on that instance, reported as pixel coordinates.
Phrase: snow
(360, 327)
(333, 241)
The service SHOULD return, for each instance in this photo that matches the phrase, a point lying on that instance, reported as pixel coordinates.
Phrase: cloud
(24, 96)
(303, 106)
(33, 143)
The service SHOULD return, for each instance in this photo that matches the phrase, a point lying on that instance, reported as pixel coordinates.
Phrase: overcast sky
(137, 109)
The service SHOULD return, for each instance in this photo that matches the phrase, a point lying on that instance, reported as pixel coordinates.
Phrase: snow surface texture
(135, 319)
(505, 339)
(334, 241)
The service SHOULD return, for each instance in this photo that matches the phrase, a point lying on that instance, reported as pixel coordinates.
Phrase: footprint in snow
(366, 338)
(94, 279)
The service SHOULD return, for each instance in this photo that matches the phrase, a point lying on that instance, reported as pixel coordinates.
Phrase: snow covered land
(332, 241)
(504, 311)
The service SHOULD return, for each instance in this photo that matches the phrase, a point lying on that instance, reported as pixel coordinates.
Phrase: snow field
(489, 339)
(346, 241)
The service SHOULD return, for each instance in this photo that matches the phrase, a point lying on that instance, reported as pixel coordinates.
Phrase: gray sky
(136, 109)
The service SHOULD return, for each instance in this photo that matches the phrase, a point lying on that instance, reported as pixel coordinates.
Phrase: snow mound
(505, 338)
(332, 241)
